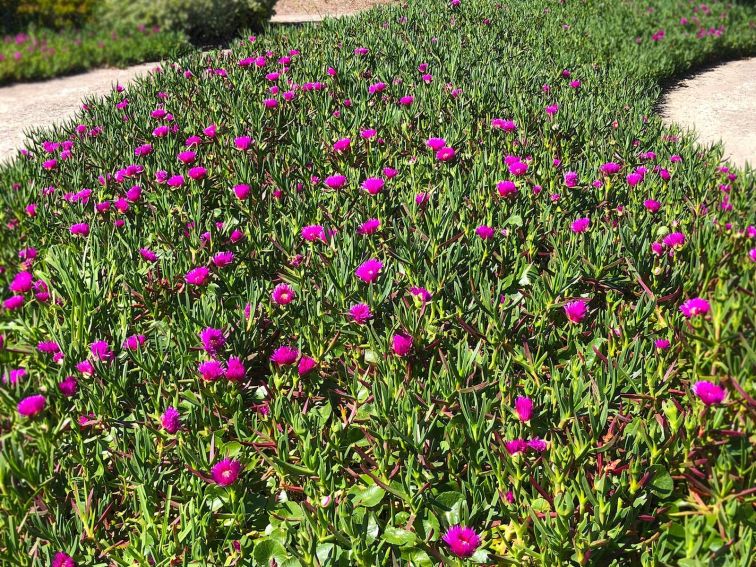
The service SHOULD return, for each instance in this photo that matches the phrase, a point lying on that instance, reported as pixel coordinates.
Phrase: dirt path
(719, 104)
(31, 105)
(287, 10)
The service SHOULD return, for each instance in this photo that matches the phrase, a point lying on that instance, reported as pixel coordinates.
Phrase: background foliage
(370, 457)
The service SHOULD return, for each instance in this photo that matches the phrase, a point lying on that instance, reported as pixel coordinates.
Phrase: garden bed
(428, 284)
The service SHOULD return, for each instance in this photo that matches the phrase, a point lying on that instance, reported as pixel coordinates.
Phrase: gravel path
(719, 104)
(28, 105)
(288, 9)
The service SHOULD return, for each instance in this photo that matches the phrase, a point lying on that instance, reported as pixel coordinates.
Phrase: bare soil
(719, 104)
(290, 8)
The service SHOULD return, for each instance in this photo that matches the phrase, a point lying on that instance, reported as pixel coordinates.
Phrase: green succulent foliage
(371, 457)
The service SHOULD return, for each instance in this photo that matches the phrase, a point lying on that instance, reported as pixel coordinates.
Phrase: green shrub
(57, 14)
(201, 20)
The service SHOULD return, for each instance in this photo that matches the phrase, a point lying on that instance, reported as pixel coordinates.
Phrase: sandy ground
(290, 8)
(719, 104)
(30, 105)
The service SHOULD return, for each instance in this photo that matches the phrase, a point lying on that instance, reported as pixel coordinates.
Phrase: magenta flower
(62, 560)
(197, 173)
(68, 386)
(373, 185)
(171, 420)
(342, 145)
(651, 205)
(524, 408)
(313, 233)
(79, 229)
(223, 259)
(22, 282)
(369, 270)
(148, 254)
(283, 294)
(446, 154)
(516, 446)
(360, 313)
(187, 157)
(634, 179)
(710, 394)
(32, 405)
(580, 225)
(674, 240)
(335, 181)
(226, 472)
(407, 100)
(235, 370)
(537, 445)
(517, 168)
(506, 188)
(485, 232)
(435, 144)
(695, 307)
(306, 365)
(242, 142)
(134, 342)
(420, 293)
(197, 276)
(662, 344)
(212, 339)
(211, 370)
(175, 181)
(462, 541)
(370, 226)
(570, 179)
(401, 344)
(284, 355)
(552, 109)
(576, 310)
(610, 168)
(503, 124)
(241, 191)
(101, 351)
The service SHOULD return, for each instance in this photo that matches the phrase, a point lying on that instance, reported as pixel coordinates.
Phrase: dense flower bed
(43, 53)
(431, 284)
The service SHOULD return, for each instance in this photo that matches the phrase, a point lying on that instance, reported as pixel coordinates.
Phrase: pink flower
(695, 307)
(552, 109)
(517, 168)
(241, 191)
(570, 178)
(68, 386)
(370, 226)
(580, 225)
(313, 233)
(710, 394)
(211, 370)
(360, 313)
(175, 181)
(373, 185)
(516, 446)
(270, 103)
(134, 342)
(610, 168)
(576, 310)
(242, 142)
(420, 293)
(22, 282)
(283, 294)
(335, 181)
(435, 144)
(342, 145)
(101, 351)
(226, 472)
(223, 259)
(187, 157)
(445, 154)
(538, 445)
(235, 370)
(171, 420)
(674, 240)
(634, 178)
(407, 100)
(369, 270)
(306, 365)
(79, 229)
(212, 339)
(401, 344)
(14, 302)
(197, 173)
(197, 276)
(284, 355)
(524, 408)
(485, 232)
(652, 205)
(148, 254)
(210, 131)
(462, 541)
(503, 124)
(506, 188)
(32, 405)
(661, 344)
(62, 560)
